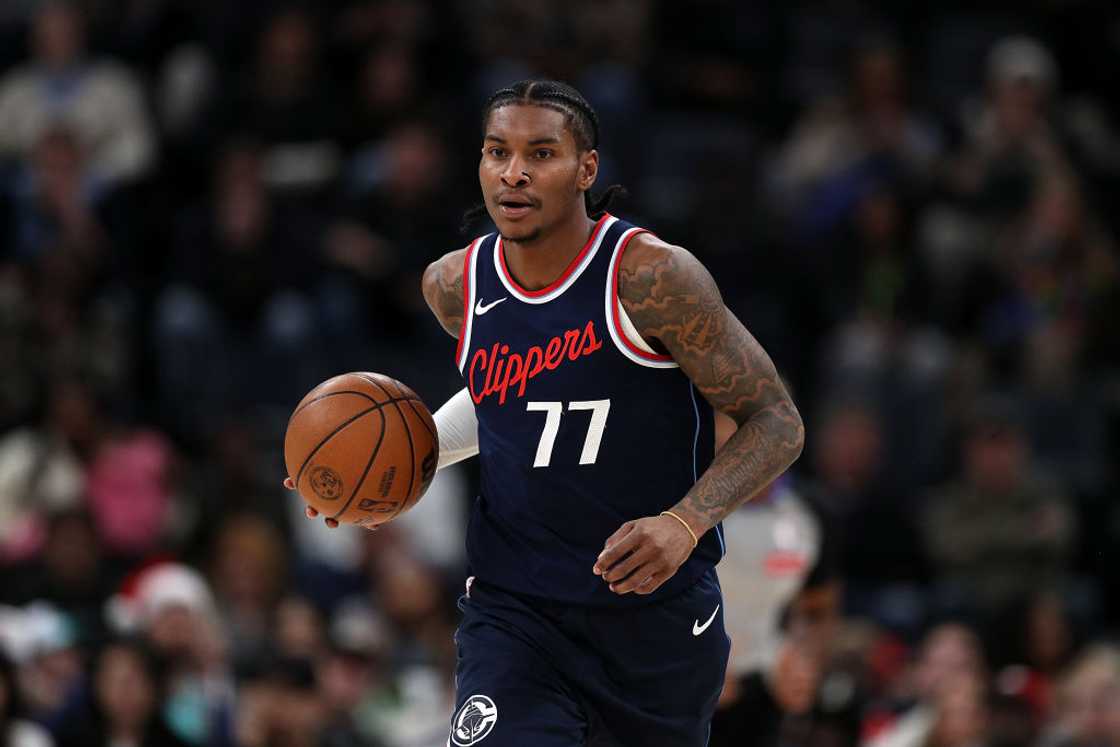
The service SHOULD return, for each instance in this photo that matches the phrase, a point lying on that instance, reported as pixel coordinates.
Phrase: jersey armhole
(622, 330)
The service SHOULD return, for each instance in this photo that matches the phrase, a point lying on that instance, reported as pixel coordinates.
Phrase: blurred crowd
(208, 207)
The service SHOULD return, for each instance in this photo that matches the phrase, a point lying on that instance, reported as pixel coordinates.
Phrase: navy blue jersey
(581, 426)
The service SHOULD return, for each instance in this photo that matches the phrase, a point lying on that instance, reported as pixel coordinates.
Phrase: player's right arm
(455, 421)
(443, 290)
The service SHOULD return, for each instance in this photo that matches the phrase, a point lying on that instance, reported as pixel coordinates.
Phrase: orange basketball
(361, 448)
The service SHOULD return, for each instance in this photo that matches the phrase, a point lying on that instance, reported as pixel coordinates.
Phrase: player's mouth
(514, 207)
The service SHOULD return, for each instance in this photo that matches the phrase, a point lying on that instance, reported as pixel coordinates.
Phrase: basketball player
(593, 354)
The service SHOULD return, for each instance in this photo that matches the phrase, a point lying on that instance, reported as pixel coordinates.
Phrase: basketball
(361, 448)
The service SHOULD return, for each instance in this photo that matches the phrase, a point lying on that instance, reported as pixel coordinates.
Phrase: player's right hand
(310, 512)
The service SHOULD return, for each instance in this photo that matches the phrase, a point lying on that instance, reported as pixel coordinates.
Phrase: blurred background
(208, 207)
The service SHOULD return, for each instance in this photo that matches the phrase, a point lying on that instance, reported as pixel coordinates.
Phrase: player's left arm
(674, 302)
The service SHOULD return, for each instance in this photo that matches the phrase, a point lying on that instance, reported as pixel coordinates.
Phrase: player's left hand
(643, 554)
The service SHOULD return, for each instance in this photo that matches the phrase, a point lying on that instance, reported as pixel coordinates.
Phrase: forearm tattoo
(672, 299)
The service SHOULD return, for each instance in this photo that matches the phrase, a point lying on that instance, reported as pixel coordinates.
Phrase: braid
(597, 206)
(472, 216)
(581, 118)
(554, 95)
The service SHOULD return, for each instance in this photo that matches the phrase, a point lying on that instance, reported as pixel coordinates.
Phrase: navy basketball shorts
(533, 673)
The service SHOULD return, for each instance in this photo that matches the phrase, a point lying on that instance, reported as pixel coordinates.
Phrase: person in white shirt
(60, 88)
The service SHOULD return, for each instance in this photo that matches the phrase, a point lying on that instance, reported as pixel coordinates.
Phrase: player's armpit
(675, 304)
(443, 290)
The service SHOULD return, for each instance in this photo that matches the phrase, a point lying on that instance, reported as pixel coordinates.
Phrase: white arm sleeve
(457, 426)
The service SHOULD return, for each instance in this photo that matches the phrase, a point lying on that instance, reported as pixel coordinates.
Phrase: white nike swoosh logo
(697, 628)
(481, 309)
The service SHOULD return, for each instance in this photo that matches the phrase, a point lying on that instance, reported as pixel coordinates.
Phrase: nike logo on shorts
(481, 308)
(697, 628)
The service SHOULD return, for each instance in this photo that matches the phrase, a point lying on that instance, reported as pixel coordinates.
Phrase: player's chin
(524, 226)
(520, 234)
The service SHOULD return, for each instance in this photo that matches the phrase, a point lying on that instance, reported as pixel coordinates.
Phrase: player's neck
(539, 263)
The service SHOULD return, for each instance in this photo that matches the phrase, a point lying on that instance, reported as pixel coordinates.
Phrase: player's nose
(516, 173)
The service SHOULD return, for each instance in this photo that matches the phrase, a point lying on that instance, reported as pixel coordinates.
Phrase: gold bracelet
(684, 523)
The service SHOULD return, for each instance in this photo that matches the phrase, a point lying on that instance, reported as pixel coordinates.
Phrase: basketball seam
(423, 422)
(305, 405)
(431, 430)
(365, 472)
(377, 405)
(411, 449)
(329, 436)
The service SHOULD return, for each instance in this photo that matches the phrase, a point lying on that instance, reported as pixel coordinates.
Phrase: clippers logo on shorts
(474, 721)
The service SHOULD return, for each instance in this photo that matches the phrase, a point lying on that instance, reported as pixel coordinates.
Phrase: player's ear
(588, 169)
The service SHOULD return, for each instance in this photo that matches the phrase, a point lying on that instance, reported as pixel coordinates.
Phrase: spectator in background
(940, 699)
(962, 715)
(248, 573)
(1034, 645)
(45, 468)
(388, 90)
(71, 573)
(131, 492)
(413, 707)
(226, 329)
(875, 273)
(1088, 703)
(51, 668)
(15, 731)
(226, 479)
(281, 708)
(1000, 530)
(298, 631)
(1053, 280)
(1013, 156)
(842, 146)
(126, 701)
(876, 532)
(286, 105)
(171, 608)
(101, 102)
(378, 249)
(55, 205)
(58, 234)
(1011, 141)
(876, 290)
(350, 672)
(83, 457)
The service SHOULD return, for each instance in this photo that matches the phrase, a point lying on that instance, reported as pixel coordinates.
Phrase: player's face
(532, 173)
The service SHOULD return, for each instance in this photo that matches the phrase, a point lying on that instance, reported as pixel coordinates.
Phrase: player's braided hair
(581, 119)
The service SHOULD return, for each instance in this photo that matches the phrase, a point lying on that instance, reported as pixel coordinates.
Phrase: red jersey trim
(563, 276)
(614, 319)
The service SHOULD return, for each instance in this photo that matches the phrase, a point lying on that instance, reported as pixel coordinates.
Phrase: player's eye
(543, 153)
(496, 152)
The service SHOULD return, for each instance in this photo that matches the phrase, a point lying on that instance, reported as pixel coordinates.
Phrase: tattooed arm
(443, 290)
(673, 301)
(675, 305)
